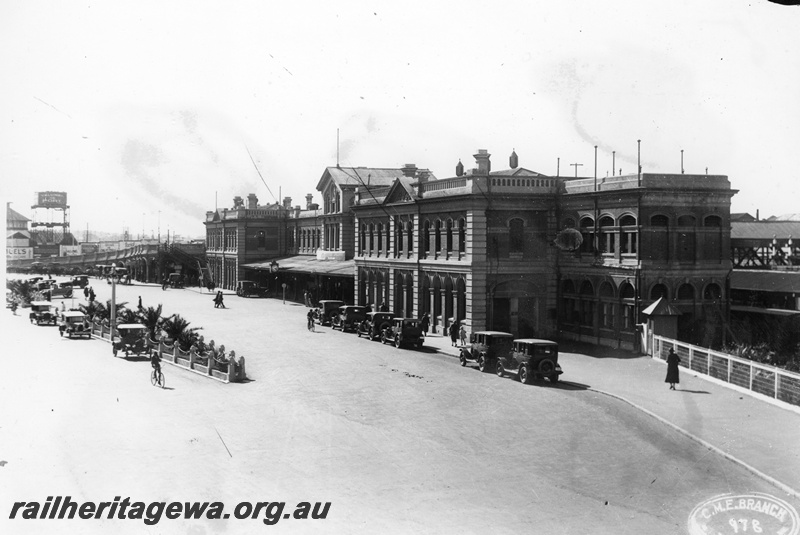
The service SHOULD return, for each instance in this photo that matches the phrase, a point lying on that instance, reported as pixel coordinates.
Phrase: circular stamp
(744, 514)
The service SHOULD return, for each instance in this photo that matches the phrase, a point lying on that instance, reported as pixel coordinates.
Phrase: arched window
(426, 240)
(438, 237)
(659, 290)
(462, 236)
(449, 238)
(587, 230)
(686, 292)
(712, 292)
(379, 233)
(686, 238)
(516, 238)
(627, 296)
(398, 238)
(630, 235)
(410, 237)
(262, 239)
(607, 311)
(371, 238)
(363, 239)
(659, 221)
(587, 304)
(607, 235)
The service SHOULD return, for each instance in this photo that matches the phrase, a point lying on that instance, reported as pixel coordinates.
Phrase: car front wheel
(463, 359)
(499, 369)
(483, 363)
(397, 342)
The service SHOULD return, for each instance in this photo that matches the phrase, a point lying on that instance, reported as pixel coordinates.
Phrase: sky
(150, 113)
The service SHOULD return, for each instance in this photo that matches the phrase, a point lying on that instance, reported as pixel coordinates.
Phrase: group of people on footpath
(88, 293)
(218, 300)
(457, 330)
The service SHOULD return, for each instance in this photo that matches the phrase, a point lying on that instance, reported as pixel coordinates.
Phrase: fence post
(751, 377)
(691, 355)
(777, 379)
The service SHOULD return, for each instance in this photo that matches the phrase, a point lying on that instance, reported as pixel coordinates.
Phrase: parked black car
(249, 289)
(374, 324)
(403, 332)
(326, 310)
(531, 359)
(486, 347)
(349, 317)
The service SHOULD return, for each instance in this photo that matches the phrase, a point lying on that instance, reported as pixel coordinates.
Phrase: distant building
(18, 236)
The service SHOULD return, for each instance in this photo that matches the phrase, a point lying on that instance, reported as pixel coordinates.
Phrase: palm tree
(175, 327)
(22, 290)
(127, 315)
(151, 318)
(94, 310)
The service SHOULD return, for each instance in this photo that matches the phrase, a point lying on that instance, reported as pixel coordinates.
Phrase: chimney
(287, 203)
(482, 159)
(410, 170)
(513, 160)
(308, 201)
(424, 176)
(459, 168)
(252, 201)
(297, 211)
(237, 202)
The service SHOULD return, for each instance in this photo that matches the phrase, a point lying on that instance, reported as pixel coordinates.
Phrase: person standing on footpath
(462, 334)
(453, 333)
(425, 324)
(673, 375)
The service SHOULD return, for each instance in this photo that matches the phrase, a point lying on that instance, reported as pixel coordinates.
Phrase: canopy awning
(307, 264)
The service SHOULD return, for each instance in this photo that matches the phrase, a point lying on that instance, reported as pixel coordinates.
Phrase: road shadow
(591, 350)
(140, 358)
(692, 391)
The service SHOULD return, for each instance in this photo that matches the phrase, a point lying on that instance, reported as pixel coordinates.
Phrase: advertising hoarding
(19, 253)
(51, 199)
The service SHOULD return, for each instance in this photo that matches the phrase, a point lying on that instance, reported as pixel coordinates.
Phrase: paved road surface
(399, 441)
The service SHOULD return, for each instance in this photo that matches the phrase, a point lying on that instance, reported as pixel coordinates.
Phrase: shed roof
(766, 280)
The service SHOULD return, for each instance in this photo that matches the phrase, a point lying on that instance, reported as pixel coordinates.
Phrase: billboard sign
(19, 253)
(52, 199)
(70, 250)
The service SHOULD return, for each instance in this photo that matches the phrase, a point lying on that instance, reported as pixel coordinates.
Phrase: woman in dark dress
(673, 376)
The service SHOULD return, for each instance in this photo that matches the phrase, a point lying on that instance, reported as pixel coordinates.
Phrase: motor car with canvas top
(374, 324)
(531, 359)
(403, 332)
(485, 347)
(74, 323)
(42, 312)
(348, 318)
(250, 289)
(131, 339)
(326, 310)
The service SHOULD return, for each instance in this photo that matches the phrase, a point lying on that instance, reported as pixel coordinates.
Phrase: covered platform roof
(307, 264)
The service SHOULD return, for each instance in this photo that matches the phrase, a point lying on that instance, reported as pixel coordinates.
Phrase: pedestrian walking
(453, 333)
(462, 333)
(164, 284)
(673, 375)
(425, 324)
(86, 292)
(310, 318)
(91, 294)
(140, 302)
(218, 300)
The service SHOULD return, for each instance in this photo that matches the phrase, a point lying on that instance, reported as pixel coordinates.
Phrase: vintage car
(531, 359)
(81, 281)
(34, 280)
(485, 347)
(175, 280)
(63, 289)
(374, 324)
(74, 323)
(131, 338)
(326, 310)
(403, 332)
(348, 318)
(250, 289)
(42, 312)
(119, 275)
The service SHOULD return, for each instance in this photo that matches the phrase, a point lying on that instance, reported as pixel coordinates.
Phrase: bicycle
(157, 378)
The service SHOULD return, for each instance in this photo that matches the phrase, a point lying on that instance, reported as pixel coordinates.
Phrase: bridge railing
(771, 381)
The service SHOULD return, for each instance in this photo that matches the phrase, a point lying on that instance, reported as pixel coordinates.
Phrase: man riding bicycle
(155, 362)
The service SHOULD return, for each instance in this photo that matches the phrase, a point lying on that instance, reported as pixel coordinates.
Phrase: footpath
(759, 435)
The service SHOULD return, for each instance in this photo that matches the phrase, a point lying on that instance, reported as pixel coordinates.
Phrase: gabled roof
(661, 308)
(401, 191)
(364, 176)
(784, 217)
(765, 280)
(18, 236)
(13, 215)
(764, 230)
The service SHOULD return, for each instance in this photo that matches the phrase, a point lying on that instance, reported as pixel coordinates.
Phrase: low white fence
(763, 379)
(230, 371)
